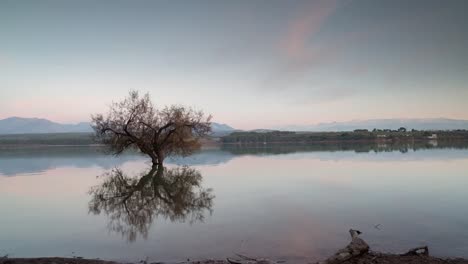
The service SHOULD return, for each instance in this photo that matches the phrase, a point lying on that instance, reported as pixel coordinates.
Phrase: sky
(250, 64)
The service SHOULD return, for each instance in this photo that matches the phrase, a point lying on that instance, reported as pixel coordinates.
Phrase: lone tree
(135, 122)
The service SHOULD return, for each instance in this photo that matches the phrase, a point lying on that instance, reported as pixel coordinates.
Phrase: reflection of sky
(298, 205)
(40, 160)
(37, 161)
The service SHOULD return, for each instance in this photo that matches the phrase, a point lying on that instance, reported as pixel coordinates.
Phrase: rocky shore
(369, 258)
(356, 252)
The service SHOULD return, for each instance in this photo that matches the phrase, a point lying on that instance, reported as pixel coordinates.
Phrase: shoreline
(367, 258)
(216, 143)
(356, 252)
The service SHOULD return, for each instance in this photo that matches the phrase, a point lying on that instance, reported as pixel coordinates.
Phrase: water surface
(292, 202)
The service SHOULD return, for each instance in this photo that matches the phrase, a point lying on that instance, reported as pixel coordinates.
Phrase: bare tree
(135, 122)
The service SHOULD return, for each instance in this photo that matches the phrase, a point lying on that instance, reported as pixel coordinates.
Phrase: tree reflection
(133, 203)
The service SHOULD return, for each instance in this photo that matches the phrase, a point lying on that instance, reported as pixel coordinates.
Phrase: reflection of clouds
(267, 204)
(37, 161)
(53, 184)
(205, 157)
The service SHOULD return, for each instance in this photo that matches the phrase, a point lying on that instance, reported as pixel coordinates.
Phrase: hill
(219, 130)
(21, 125)
(414, 123)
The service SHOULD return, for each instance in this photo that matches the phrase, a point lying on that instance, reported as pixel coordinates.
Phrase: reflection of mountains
(358, 147)
(36, 160)
(132, 204)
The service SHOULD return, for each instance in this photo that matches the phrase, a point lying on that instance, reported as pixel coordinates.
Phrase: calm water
(282, 202)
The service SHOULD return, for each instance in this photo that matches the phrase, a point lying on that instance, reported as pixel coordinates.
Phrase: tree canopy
(136, 122)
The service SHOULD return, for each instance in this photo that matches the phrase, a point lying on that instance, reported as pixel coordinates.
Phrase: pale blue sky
(249, 63)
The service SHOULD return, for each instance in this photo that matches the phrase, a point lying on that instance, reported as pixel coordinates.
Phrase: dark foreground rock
(377, 258)
(358, 252)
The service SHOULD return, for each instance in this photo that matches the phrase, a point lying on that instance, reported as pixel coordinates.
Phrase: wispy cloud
(299, 73)
(299, 49)
(307, 24)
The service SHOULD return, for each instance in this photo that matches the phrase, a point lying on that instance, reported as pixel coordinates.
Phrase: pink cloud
(303, 51)
(305, 26)
(298, 50)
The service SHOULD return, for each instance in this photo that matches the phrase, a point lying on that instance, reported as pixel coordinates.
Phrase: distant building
(361, 131)
(433, 136)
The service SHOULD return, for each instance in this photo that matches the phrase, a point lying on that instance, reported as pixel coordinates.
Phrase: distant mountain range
(21, 125)
(220, 127)
(219, 130)
(414, 123)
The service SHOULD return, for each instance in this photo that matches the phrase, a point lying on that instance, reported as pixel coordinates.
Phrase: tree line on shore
(258, 137)
(384, 135)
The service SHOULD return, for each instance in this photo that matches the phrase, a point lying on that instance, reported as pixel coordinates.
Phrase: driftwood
(355, 248)
(248, 260)
(358, 247)
(418, 251)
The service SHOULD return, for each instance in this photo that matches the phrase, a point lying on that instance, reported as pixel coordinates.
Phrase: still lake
(284, 202)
